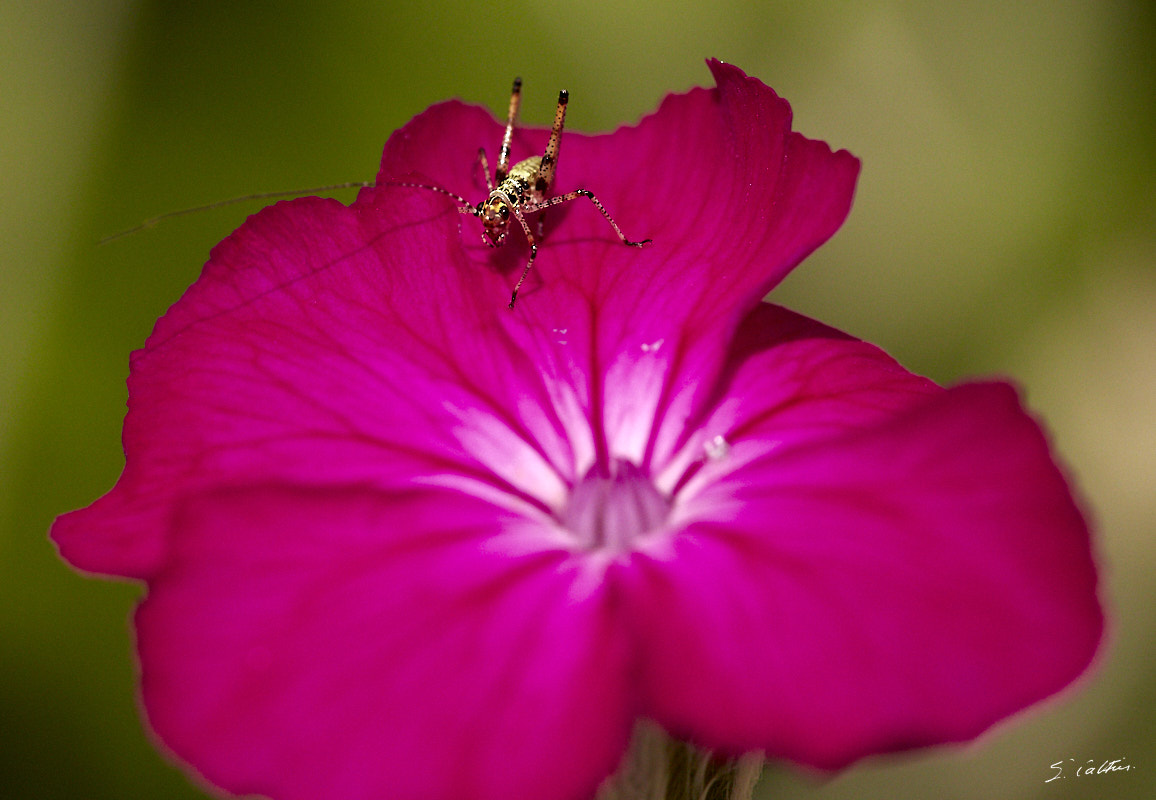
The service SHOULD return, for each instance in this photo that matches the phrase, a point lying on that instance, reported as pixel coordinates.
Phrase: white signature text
(1089, 767)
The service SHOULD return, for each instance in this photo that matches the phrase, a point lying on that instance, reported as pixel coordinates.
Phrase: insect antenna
(464, 205)
(148, 223)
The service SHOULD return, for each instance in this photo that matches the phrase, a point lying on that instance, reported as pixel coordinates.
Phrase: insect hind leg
(508, 137)
(549, 165)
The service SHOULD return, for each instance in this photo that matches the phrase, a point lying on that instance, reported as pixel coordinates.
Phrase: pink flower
(401, 542)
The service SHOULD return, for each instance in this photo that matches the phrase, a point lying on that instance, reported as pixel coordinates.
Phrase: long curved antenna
(465, 206)
(148, 223)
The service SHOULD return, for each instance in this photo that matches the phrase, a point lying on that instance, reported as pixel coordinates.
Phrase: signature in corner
(1089, 767)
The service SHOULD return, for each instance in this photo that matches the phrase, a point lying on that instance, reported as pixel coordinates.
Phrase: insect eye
(504, 211)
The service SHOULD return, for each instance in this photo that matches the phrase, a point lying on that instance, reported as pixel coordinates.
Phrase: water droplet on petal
(717, 447)
(653, 346)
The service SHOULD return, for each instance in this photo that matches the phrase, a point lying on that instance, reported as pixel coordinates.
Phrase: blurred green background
(1005, 223)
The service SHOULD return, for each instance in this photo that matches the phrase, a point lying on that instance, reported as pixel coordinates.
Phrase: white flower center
(611, 508)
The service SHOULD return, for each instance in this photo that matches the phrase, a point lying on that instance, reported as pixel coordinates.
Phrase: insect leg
(529, 262)
(566, 198)
(485, 163)
(507, 138)
(545, 177)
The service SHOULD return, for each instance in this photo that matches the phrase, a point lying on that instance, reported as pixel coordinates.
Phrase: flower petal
(325, 345)
(788, 380)
(313, 644)
(907, 586)
(732, 198)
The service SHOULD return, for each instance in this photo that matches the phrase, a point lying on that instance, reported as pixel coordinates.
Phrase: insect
(245, 198)
(522, 189)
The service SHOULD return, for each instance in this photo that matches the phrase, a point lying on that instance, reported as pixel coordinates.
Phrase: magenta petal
(906, 586)
(355, 645)
(402, 542)
(732, 198)
(788, 380)
(325, 345)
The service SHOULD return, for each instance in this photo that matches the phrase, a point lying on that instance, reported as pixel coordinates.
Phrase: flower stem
(660, 768)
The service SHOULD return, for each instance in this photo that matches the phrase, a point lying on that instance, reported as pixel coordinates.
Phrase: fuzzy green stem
(659, 768)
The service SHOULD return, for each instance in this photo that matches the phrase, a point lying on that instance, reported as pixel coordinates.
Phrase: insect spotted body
(515, 191)
(522, 189)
